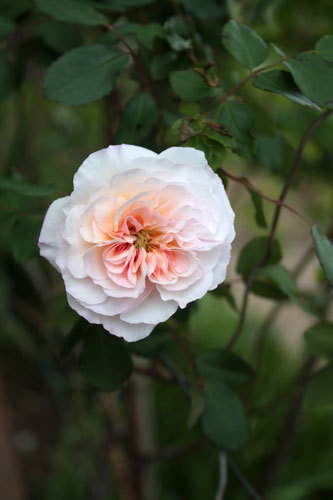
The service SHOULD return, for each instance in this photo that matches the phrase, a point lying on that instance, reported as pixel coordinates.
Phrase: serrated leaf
(105, 361)
(281, 82)
(314, 76)
(72, 11)
(84, 74)
(255, 250)
(189, 85)
(239, 121)
(319, 339)
(324, 250)
(137, 119)
(214, 151)
(318, 391)
(224, 421)
(243, 44)
(24, 237)
(324, 47)
(224, 365)
(27, 188)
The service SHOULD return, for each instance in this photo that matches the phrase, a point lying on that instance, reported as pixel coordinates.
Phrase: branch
(141, 70)
(285, 189)
(248, 185)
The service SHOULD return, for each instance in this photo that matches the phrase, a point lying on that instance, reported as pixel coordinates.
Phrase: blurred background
(59, 439)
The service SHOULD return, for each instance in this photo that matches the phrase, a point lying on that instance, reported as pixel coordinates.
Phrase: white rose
(141, 234)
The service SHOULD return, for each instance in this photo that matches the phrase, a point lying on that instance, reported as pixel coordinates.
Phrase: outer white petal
(152, 310)
(104, 164)
(193, 292)
(83, 289)
(220, 271)
(112, 324)
(52, 226)
(185, 156)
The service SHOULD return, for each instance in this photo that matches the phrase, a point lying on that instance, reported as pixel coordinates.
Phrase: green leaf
(270, 151)
(319, 339)
(255, 250)
(24, 237)
(219, 136)
(137, 119)
(318, 391)
(72, 11)
(73, 337)
(239, 120)
(224, 365)
(162, 65)
(84, 74)
(27, 188)
(224, 421)
(314, 76)
(243, 44)
(285, 282)
(6, 27)
(214, 151)
(324, 250)
(61, 37)
(189, 85)
(267, 290)
(105, 361)
(147, 33)
(259, 208)
(6, 76)
(324, 47)
(281, 82)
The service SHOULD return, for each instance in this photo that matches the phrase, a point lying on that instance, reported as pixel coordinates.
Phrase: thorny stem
(248, 185)
(262, 260)
(141, 71)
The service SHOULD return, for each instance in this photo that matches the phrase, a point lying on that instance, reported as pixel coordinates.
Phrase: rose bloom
(141, 234)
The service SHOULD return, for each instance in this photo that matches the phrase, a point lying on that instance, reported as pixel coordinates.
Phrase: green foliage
(325, 252)
(245, 45)
(134, 126)
(71, 11)
(253, 251)
(224, 365)
(172, 84)
(324, 47)
(24, 236)
(319, 388)
(319, 339)
(281, 82)
(189, 85)
(84, 74)
(314, 76)
(27, 188)
(223, 420)
(105, 361)
(238, 119)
